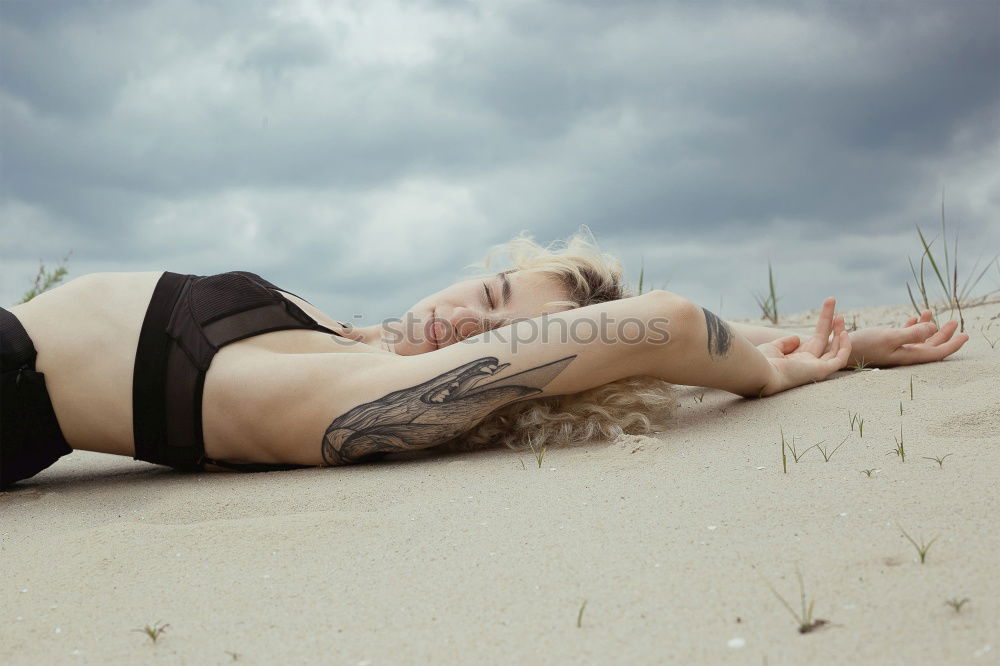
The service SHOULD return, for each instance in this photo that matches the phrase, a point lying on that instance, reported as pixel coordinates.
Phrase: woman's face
(474, 306)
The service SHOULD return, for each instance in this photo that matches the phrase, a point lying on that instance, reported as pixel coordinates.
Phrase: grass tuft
(856, 420)
(869, 472)
(805, 616)
(899, 450)
(796, 455)
(955, 296)
(939, 461)
(860, 365)
(539, 454)
(784, 458)
(993, 343)
(46, 279)
(957, 603)
(579, 616)
(922, 547)
(153, 631)
(769, 304)
(823, 451)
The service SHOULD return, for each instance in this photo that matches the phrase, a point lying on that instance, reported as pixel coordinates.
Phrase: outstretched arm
(918, 341)
(344, 408)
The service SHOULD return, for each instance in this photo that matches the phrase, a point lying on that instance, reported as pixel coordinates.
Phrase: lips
(431, 332)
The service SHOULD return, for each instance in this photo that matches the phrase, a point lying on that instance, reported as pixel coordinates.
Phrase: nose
(465, 322)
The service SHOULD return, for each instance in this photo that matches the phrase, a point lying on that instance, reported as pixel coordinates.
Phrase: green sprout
(899, 450)
(769, 305)
(153, 631)
(957, 603)
(539, 454)
(46, 279)
(860, 365)
(805, 617)
(939, 461)
(823, 450)
(922, 547)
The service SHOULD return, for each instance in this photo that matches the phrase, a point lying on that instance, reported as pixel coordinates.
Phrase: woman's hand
(795, 362)
(919, 341)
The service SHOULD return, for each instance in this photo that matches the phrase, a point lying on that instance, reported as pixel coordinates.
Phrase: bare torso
(86, 332)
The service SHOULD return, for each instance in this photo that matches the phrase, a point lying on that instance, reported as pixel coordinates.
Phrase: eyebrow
(506, 287)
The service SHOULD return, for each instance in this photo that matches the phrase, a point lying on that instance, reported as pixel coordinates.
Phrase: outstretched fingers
(818, 342)
(841, 352)
(944, 334)
(835, 345)
(925, 316)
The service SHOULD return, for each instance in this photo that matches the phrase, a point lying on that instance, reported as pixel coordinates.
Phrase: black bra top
(191, 317)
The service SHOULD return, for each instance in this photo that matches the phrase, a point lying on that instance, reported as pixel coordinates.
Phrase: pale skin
(306, 397)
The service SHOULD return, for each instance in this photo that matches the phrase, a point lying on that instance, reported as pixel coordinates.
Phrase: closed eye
(489, 297)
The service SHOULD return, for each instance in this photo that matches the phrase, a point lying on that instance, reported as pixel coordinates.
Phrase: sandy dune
(487, 558)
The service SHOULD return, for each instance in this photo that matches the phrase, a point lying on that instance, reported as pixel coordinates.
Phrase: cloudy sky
(362, 153)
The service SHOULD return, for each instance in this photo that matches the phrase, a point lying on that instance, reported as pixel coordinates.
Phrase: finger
(834, 348)
(838, 362)
(944, 334)
(925, 316)
(929, 353)
(817, 343)
(914, 334)
(787, 344)
(844, 353)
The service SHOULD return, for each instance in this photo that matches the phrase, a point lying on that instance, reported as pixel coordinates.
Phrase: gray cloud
(362, 156)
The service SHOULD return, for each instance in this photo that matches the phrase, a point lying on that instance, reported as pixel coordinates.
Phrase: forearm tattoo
(720, 337)
(433, 412)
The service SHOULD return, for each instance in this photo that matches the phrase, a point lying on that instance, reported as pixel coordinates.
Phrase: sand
(487, 557)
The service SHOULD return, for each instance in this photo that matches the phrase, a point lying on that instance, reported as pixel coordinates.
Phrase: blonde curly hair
(635, 405)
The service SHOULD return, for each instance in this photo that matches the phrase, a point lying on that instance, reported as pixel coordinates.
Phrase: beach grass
(922, 547)
(956, 295)
(900, 450)
(768, 304)
(45, 279)
(824, 452)
(804, 618)
(860, 365)
(992, 343)
(539, 453)
(956, 603)
(856, 420)
(939, 461)
(153, 631)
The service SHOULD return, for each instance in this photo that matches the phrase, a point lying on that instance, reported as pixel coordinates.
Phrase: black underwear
(188, 320)
(30, 436)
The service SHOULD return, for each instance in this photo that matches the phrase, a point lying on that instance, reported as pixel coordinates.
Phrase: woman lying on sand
(229, 371)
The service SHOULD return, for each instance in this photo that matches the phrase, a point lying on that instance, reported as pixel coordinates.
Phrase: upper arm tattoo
(720, 337)
(432, 412)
